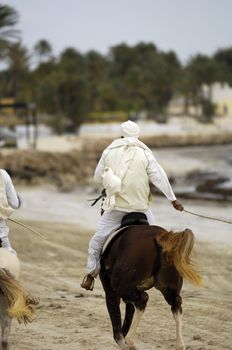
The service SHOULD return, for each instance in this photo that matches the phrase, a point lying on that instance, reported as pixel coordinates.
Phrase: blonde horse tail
(178, 248)
(21, 305)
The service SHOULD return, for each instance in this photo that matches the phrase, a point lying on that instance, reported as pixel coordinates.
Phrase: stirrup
(85, 281)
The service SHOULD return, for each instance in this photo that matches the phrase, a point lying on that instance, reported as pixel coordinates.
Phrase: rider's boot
(88, 282)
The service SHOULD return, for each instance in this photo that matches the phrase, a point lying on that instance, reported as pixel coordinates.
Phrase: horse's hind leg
(140, 302)
(113, 302)
(179, 338)
(174, 299)
(113, 306)
(5, 331)
(130, 310)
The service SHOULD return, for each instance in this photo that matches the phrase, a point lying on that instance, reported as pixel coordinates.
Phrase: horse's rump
(128, 220)
(134, 255)
(140, 252)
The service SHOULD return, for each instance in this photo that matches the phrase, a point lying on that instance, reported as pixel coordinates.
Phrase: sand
(71, 318)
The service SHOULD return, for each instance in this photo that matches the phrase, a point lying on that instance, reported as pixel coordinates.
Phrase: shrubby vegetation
(74, 86)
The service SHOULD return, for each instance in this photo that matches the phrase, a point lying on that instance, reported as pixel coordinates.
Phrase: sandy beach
(71, 318)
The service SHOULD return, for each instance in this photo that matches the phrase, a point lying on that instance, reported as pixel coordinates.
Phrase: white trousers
(4, 232)
(109, 222)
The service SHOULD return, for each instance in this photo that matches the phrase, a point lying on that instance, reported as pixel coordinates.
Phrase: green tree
(43, 50)
(143, 76)
(8, 19)
(96, 67)
(223, 59)
(17, 74)
(73, 89)
(62, 89)
(201, 70)
(72, 62)
(186, 87)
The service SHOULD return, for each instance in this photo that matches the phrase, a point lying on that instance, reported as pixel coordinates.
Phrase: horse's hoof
(5, 345)
(181, 347)
(130, 345)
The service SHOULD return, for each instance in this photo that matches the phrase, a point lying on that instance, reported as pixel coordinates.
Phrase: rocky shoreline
(207, 186)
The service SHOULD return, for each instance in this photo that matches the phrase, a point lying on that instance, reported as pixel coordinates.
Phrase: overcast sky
(185, 26)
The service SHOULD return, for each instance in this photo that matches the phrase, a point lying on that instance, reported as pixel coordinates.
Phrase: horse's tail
(178, 247)
(20, 304)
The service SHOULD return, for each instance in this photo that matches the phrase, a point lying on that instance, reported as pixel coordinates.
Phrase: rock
(197, 337)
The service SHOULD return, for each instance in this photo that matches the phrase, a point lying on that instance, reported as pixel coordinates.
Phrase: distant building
(222, 98)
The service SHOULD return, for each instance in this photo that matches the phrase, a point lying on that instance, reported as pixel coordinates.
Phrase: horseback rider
(125, 169)
(9, 201)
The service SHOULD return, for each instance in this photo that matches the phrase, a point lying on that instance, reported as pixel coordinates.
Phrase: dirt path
(70, 318)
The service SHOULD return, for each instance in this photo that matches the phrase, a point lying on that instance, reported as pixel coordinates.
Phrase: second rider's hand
(177, 205)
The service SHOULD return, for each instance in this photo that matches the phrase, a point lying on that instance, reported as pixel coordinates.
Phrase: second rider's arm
(158, 178)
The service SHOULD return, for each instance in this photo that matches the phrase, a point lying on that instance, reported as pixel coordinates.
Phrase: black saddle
(134, 218)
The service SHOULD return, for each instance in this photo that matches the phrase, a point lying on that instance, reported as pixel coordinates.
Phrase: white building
(222, 98)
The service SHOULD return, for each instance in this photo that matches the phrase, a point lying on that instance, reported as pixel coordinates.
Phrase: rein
(28, 228)
(208, 217)
(103, 194)
(95, 200)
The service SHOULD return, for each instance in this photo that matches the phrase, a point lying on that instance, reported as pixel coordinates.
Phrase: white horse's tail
(21, 305)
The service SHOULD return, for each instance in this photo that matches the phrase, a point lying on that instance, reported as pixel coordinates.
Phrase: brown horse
(139, 259)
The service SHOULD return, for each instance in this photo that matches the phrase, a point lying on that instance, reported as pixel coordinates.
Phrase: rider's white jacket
(8, 200)
(135, 165)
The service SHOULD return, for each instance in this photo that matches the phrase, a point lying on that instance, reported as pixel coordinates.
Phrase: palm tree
(223, 58)
(8, 19)
(201, 70)
(43, 50)
(18, 65)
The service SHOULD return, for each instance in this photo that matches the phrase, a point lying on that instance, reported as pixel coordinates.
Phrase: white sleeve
(10, 191)
(158, 177)
(100, 167)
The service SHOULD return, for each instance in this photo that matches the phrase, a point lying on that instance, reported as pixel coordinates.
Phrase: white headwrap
(130, 129)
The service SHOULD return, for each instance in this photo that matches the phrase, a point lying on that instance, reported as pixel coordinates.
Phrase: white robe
(156, 173)
(13, 201)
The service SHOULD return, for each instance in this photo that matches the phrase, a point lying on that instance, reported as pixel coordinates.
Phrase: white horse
(15, 301)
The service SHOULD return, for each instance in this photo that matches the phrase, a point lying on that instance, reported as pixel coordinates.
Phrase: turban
(130, 129)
